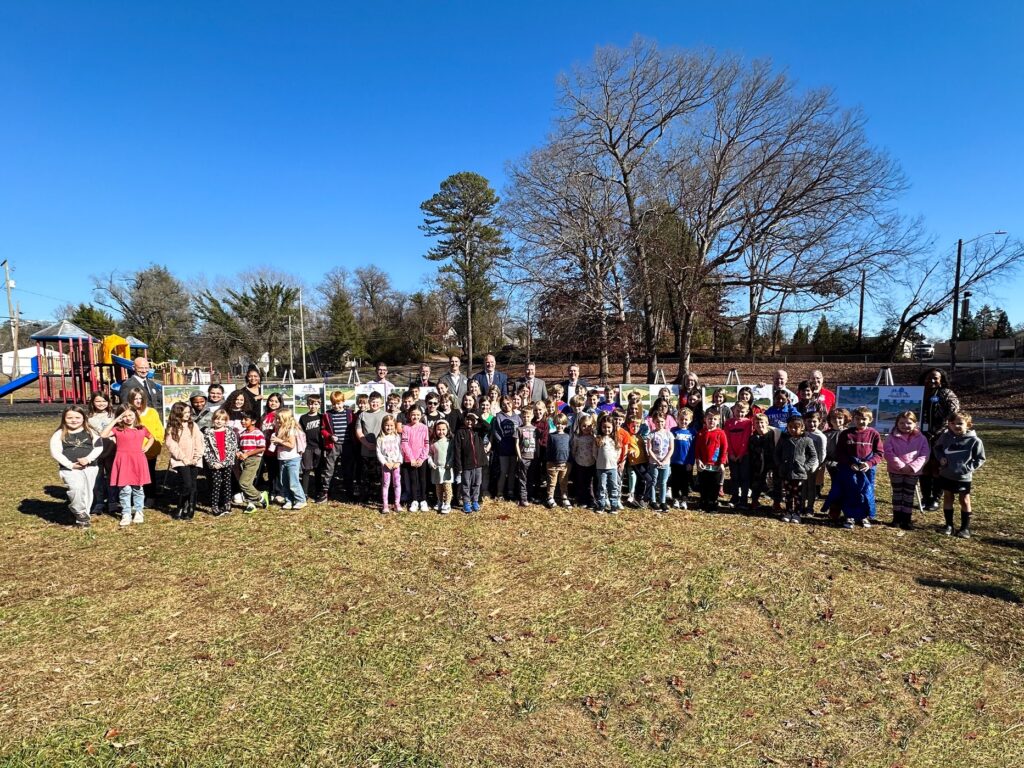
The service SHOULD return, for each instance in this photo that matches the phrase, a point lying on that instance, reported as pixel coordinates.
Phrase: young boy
(469, 458)
(960, 454)
(812, 424)
(251, 445)
(584, 458)
(838, 420)
(659, 453)
(761, 457)
(781, 410)
(367, 429)
(622, 439)
(681, 477)
(738, 430)
(336, 438)
(311, 423)
(504, 429)
(558, 461)
(526, 449)
(636, 462)
(711, 451)
(795, 462)
(858, 451)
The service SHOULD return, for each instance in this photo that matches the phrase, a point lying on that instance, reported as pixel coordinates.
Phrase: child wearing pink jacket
(415, 450)
(906, 452)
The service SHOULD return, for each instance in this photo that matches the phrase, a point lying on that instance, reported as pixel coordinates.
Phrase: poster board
(885, 403)
(349, 391)
(301, 392)
(762, 394)
(707, 394)
(286, 391)
(644, 390)
(366, 389)
(178, 393)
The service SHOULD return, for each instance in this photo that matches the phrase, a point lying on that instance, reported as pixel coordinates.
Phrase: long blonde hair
(284, 421)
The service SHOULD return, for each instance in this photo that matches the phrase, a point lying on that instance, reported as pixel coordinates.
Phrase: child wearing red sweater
(738, 430)
(858, 452)
(711, 451)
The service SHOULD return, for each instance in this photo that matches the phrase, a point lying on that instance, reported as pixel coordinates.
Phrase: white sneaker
(445, 509)
(138, 518)
(126, 519)
(682, 505)
(414, 506)
(287, 505)
(865, 523)
(237, 499)
(300, 505)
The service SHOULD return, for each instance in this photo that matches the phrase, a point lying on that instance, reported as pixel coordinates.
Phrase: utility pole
(302, 336)
(860, 320)
(15, 367)
(956, 312)
(291, 354)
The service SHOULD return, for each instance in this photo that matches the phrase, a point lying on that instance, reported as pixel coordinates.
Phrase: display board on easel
(885, 402)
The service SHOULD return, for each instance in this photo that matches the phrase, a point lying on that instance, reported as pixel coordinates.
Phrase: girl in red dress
(130, 471)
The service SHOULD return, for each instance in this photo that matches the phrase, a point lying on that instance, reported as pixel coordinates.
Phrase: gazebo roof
(63, 330)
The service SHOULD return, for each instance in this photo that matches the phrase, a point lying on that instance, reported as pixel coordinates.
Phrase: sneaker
(467, 507)
(300, 505)
(287, 505)
(865, 523)
(682, 505)
(795, 519)
(414, 506)
(848, 525)
(237, 499)
(476, 506)
(83, 524)
(321, 499)
(249, 509)
(384, 510)
(265, 500)
(947, 531)
(222, 512)
(787, 519)
(399, 508)
(550, 504)
(126, 520)
(963, 533)
(522, 503)
(567, 504)
(279, 499)
(138, 518)
(445, 509)
(615, 509)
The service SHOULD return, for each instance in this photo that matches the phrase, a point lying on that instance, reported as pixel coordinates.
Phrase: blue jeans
(132, 498)
(659, 482)
(608, 488)
(291, 485)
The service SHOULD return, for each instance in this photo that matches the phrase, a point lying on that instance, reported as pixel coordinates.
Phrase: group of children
(428, 454)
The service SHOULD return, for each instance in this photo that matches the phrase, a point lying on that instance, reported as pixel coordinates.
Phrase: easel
(659, 377)
(353, 373)
(884, 377)
(733, 378)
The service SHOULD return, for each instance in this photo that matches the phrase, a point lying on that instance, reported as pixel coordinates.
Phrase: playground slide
(21, 381)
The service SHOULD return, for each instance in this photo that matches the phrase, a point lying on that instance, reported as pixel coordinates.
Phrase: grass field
(333, 636)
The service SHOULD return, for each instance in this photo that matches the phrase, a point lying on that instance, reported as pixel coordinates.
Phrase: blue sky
(216, 137)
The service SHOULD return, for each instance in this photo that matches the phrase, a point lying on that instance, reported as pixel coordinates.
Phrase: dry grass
(333, 636)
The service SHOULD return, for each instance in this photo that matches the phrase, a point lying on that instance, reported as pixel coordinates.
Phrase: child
(812, 421)
(606, 461)
(960, 453)
(235, 408)
(336, 438)
(440, 460)
(470, 456)
(504, 427)
(622, 437)
(100, 415)
(185, 446)
(311, 423)
(202, 413)
(718, 401)
(761, 456)
(746, 395)
(221, 450)
(251, 445)
(711, 451)
(807, 401)
(555, 394)
(76, 448)
(795, 462)
(542, 428)
(838, 420)
(148, 418)
(738, 430)
(415, 446)
(559, 450)
(289, 441)
(526, 451)
(681, 476)
(584, 459)
(130, 471)
(271, 460)
(906, 452)
(781, 410)
(858, 451)
(389, 455)
(636, 460)
(659, 453)
(368, 424)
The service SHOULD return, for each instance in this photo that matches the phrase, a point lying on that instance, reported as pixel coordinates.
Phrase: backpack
(300, 441)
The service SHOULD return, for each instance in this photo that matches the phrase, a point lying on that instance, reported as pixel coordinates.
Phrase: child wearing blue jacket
(781, 410)
(681, 479)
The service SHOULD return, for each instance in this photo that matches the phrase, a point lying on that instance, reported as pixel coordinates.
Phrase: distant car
(924, 350)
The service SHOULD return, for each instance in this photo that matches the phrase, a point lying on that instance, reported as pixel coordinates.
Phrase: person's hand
(943, 461)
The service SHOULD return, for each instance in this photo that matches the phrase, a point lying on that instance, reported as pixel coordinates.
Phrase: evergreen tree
(822, 335)
(93, 320)
(802, 335)
(343, 332)
(1003, 329)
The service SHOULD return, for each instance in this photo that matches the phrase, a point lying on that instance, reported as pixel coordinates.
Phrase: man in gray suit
(456, 381)
(139, 380)
(538, 389)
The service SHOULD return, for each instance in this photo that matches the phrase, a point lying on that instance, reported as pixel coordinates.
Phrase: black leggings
(416, 481)
(187, 482)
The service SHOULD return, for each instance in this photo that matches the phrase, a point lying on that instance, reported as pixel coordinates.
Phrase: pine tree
(343, 332)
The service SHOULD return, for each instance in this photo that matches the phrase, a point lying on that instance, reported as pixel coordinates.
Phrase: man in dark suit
(490, 376)
(538, 389)
(140, 380)
(455, 380)
(574, 385)
(423, 379)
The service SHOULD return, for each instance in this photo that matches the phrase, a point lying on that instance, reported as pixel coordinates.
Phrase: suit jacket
(539, 391)
(458, 392)
(150, 388)
(580, 382)
(500, 380)
(415, 382)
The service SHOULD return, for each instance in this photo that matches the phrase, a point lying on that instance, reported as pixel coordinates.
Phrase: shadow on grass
(968, 588)
(1001, 542)
(52, 510)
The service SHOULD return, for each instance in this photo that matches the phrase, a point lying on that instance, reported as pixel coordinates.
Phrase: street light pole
(955, 331)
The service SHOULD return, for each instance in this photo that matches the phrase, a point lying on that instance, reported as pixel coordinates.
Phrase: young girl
(389, 454)
(185, 446)
(795, 462)
(607, 464)
(906, 452)
(235, 409)
(288, 440)
(960, 453)
(76, 448)
(584, 458)
(415, 445)
(813, 420)
(636, 458)
(101, 413)
(504, 428)
(838, 420)
(150, 419)
(858, 452)
(718, 401)
(738, 430)
(130, 470)
(659, 452)
(271, 460)
(220, 451)
(746, 395)
(440, 461)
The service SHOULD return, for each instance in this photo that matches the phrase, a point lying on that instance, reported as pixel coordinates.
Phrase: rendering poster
(642, 390)
(178, 393)
(284, 390)
(858, 397)
(892, 401)
(302, 391)
(366, 389)
(729, 390)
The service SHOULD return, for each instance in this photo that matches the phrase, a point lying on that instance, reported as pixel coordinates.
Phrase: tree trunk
(469, 334)
(686, 341)
(603, 353)
(620, 316)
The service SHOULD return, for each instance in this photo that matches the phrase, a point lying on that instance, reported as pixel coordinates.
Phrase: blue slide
(21, 381)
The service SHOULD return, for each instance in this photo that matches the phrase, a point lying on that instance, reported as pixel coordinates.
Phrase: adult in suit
(538, 389)
(574, 385)
(140, 380)
(456, 381)
(491, 376)
(422, 379)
